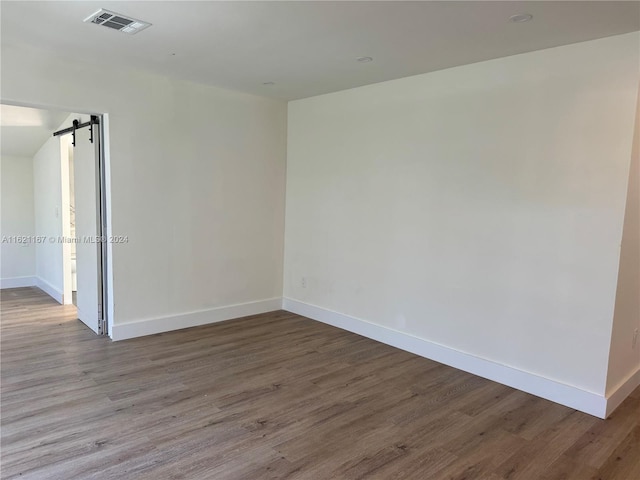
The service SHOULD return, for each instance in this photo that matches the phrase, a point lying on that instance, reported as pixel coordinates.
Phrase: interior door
(88, 247)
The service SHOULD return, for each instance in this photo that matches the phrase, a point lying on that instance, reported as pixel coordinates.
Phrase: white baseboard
(123, 331)
(561, 393)
(49, 289)
(622, 391)
(17, 282)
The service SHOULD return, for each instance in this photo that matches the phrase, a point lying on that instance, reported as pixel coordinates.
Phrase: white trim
(622, 391)
(123, 331)
(49, 289)
(65, 146)
(564, 394)
(108, 309)
(17, 282)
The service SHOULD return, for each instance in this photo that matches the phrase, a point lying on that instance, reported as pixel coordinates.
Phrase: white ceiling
(309, 48)
(24, 130)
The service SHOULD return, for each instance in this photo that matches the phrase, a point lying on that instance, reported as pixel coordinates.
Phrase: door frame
(102, 227)
(97, 134)
(65, 147)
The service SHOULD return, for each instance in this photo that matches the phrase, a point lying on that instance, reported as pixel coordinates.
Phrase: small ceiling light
(521, 18)
(269, 83)
(364, 59)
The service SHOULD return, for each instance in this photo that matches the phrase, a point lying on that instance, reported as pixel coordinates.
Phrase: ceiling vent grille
(116, 21)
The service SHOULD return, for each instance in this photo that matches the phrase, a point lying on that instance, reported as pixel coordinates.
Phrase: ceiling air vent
(117, 22)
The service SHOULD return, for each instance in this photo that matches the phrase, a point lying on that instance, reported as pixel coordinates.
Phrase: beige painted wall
(624, 359)
(17, 260)
(479, 208)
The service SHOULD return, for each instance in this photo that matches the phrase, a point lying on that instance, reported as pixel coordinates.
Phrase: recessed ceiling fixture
(116, 21)
(268, 84)
(521, 17)
(364, 59)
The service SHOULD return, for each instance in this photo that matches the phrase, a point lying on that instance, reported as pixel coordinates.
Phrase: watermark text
(40, 239)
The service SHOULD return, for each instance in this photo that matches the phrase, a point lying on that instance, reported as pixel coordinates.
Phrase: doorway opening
(56, 239)
(83, 186)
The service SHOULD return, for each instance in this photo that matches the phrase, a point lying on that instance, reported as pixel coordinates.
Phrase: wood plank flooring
(275, 396)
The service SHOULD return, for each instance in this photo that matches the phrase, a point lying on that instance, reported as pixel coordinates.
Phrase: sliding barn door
(88, 246)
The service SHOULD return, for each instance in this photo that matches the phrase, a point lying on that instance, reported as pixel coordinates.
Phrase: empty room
(320, 240)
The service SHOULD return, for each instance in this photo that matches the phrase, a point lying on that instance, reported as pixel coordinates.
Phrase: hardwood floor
(275, 396)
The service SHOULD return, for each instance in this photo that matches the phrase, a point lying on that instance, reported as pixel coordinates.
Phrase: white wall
(479, 208)
(197, 178)
(17, 261)
(624, 360)
(49, 211)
